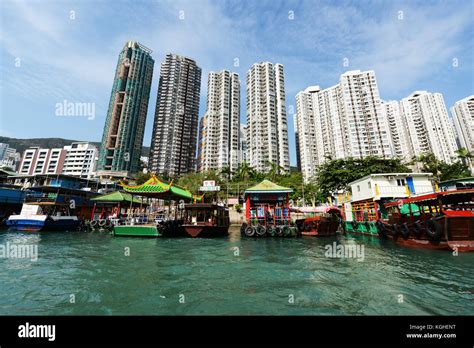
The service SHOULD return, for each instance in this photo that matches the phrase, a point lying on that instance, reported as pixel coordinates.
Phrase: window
(400, 182)
(358, 188)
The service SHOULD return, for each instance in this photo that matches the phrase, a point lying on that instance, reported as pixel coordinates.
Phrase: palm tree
(274, 170)
(466, 158)
(226, 172)
(245, 172)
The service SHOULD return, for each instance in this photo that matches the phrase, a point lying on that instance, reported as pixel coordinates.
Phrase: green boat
(136, 231)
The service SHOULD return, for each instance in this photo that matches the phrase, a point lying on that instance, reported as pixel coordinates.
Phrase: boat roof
(390, 174)
(449, 197)
(60, 189)
(203, 206)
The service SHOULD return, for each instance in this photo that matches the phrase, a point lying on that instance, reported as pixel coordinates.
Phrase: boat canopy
(446, 197)
(155, 188)
(117, 197)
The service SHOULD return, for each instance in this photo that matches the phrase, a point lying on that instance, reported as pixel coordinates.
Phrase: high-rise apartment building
(220, 126)
(428, 125)
(125, 123)
(463, 118)
(175, 127)
(243, 144)
(345, 120)
(267, 128)
(398, 129)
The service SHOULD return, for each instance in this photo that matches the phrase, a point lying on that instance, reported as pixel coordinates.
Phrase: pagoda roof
(155, 188)
(266, 186)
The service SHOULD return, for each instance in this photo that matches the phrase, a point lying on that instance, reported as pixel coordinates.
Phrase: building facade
(463, 118)
(42, 161)
(125, 123)
(175, 127)
(220, 126)
(243, 144)
(267, 128)
(398, 129)
(428, 125)
(8, 156)
(80, 160)
(345, 120)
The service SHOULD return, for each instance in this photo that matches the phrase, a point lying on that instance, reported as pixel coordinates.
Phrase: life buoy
(417, 229)
(250, 231)
(381, 229)
(243, 227)
(433, 230)
(261, 230)
(102, 223)
(404, 231)
(94, 223)
(271, 230)
(279, 231)
(108, 223)
(354, 224)
(395, 231)
(285, 230)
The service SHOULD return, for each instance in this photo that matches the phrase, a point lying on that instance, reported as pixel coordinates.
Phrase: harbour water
(105, 275)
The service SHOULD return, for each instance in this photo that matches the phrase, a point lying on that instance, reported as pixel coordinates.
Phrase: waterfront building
(428, 125)
(463, 118)
(42, 161)
(267, 129)
(125, 123)
(220, 126)
(175, 127)
(80, 160)
(345, 120)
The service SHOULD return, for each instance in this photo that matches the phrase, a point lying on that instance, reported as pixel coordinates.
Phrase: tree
(336, 174)
(274, 170)
(466, 157)
(141, 178)
(441, 170)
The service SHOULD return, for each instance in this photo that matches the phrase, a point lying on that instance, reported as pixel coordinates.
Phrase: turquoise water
(269, 276)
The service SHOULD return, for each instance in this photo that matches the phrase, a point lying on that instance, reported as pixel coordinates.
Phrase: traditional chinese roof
(266, 186)
(156, 188)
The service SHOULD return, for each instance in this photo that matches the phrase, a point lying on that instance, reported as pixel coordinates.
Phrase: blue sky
(47, 56)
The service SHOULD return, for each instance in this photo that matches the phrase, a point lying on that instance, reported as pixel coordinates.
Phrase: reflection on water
(231, 275)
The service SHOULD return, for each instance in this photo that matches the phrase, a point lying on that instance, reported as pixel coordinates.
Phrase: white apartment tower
(463, 118)
(267, 128)
(428, 125)
(220, 126)
(243, 143)
(397, 129)
(346, 120)
(366, 124)
(81, 159)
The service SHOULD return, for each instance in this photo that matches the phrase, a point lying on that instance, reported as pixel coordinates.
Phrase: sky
(56, 50)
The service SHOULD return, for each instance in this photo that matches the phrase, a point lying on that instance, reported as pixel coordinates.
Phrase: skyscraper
(125, 123)
(345, 120)
(428, 125)
(220, 126)
(175, 128)
(398, 129)
(463, 117)
(267, 128)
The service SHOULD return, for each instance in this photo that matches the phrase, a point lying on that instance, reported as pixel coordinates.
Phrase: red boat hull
(205, 231)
